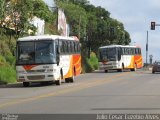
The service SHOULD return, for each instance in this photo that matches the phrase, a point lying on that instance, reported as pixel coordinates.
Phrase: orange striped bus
(47, 58)
(120, 57)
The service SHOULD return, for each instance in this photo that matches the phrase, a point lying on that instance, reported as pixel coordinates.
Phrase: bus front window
(44, 52)
(108, 54)
(112, 54)
(38, 52)
(25, 53)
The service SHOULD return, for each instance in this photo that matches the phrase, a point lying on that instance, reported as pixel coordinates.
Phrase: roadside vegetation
(93, 26)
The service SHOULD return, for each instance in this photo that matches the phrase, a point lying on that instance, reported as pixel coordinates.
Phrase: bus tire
(135, 67)
(67, 80)
(72, 79)
(122, 69)
(26, 84)
(106, 71)
(58, 82)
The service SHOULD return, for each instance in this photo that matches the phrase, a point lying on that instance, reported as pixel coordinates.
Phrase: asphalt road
(93, 93)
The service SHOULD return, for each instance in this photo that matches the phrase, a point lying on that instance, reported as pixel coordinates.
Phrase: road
(93, 93)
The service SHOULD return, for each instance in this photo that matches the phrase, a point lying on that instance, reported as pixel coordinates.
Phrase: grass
(7, 75)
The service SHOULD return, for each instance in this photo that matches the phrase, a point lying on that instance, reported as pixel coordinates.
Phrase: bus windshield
(108, 54)
(36, 52)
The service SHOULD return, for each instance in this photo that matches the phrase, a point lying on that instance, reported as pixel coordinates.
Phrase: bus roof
(111, 46)
(43, 37)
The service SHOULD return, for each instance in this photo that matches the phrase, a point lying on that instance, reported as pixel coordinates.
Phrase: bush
(7, 72)
(7, 75)
(91, 64)
(11, 60)
(3, 61)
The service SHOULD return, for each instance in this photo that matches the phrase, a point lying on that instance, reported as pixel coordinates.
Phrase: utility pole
(147, 49)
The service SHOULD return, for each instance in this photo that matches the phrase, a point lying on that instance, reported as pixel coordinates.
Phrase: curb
(9, 85)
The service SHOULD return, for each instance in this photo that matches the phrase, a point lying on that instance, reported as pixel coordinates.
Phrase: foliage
(76, 18)
(3, 61)
(7, 70)
(50, 29)
(96, 24)
(91, 63)
(7, 75)
(11, 60)
(41, 10)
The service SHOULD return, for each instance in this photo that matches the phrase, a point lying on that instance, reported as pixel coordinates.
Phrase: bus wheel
(26, 84)
(58, 82)
(122, 69)
(71, 79)
(135, 68)
(67, 80)
(106, 71)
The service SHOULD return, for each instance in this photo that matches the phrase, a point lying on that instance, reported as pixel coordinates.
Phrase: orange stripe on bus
(29, 67)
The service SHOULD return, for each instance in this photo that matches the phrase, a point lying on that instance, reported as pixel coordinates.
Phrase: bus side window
(71, 51)
(139, 51)
(79, 49)
(66, 47)
(72, 45)
(126, 51)
(133, 50)
(119, 53)
(136, 51)
(122, 51)
(60, 46)
(63, 47)
(75, 47)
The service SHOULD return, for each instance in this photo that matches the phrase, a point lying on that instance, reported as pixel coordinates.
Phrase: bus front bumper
(35, 78)
(108, 66)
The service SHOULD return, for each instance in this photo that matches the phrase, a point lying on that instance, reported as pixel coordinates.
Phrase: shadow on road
(125, 109)
(109, 71)
(20, 85)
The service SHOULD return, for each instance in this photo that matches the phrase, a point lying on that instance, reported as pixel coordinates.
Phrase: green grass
(7, 75)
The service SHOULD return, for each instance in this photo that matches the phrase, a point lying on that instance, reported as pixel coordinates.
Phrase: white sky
(136, 16)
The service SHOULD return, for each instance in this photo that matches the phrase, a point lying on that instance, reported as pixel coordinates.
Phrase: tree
(76, 18)
(22, 12)
(41, 10)
(100, 28)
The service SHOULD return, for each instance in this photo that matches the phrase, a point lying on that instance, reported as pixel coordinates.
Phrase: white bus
(120, 57)
(47, 58)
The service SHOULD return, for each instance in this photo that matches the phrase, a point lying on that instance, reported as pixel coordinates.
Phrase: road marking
(63, 91)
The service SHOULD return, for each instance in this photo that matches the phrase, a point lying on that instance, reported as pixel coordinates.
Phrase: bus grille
(32, 71)
(37, 77)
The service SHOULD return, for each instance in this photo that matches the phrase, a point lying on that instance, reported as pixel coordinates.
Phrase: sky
(136, 15)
